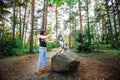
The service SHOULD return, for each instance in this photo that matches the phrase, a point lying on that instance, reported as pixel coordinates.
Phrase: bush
(51, 45)
(118, 53)
(87, 47)
(9, 46)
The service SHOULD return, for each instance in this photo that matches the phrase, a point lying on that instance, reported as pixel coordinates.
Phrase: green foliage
(78, 45)
(35, 48)
(118, 53)
(25, 48)
(58, 2)
(49, 29)
(9, 46)
(71, 3)
(51, 45)
(79, 41)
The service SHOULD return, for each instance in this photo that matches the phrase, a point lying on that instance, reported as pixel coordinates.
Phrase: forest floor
(24, 68)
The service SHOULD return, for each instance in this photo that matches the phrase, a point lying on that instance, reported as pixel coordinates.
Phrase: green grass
(99, 54)
(103, 51)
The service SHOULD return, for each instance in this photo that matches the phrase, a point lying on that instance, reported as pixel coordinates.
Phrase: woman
(42, 51)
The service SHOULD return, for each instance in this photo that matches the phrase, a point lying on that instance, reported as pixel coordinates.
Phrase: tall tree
(45, 16)
(24, 21)
(114, 21)
(32, 26)
(110, 26)
(20, 21)
(45, 12)
(118, 14)
(26, 25)
(56, 11)
(118, 11)
(81, 28)
(87, 10)
(14, 20)
(70, 25)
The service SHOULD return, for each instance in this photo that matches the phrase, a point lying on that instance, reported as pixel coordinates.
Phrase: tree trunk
(56, 26)
(75, 33)
(14, 20)
(110, 26)
(89, 39)
(70, 27)
(106, 32)
(81, 30)
(118, 14)
(114, 20)
(26, 26)
(24, 22)
(43, 15)
(20, 21)
(70, 30)
(118, 11)
(32, 27)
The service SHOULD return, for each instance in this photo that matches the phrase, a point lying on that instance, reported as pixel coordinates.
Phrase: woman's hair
(42, 32)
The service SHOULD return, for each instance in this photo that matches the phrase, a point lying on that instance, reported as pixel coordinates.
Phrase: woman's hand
(52, 32)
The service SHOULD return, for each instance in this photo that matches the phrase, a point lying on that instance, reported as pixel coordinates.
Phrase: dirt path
(97, 70)
(24, 68)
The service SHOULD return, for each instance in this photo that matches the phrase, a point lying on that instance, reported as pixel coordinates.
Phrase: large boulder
(65, 61)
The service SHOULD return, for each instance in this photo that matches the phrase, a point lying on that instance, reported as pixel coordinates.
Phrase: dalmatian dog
(63, 45)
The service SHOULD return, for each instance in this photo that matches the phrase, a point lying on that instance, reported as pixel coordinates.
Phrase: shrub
(118, 53)
(86, 46)
(51, 45)
(9, 46)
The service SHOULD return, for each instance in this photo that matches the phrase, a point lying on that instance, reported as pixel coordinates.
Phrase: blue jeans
(42, 58)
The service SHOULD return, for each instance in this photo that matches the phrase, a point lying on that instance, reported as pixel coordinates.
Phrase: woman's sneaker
(39, 72)
(46, 68)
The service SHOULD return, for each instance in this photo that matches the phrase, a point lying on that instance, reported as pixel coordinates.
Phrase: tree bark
(26, 26)
(118, 14)
(32, 27)
(14, 20)
(43, 15)
(114, 20)
(110, 26)
(70, 30)
(24, 21)
(89, 38)
(56, 26)
(81, 30)
(118, 11)
(20, 21)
